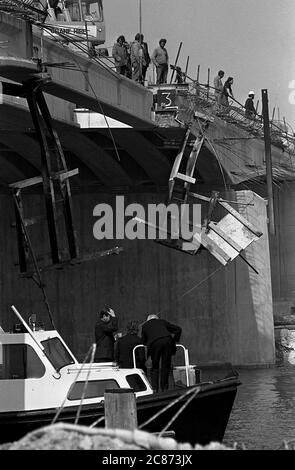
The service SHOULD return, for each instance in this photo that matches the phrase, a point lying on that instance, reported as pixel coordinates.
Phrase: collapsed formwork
(225, 312)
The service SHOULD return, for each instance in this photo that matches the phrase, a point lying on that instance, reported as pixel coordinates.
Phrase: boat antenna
(31, 333)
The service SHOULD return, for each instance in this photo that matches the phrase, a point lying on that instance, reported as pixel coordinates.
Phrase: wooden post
(268, 162)
(208, 83)
(120, 408)
(140, 18)
(197, 83)
(198, 74)
(272, 118)
(186, 67)
(176, 60)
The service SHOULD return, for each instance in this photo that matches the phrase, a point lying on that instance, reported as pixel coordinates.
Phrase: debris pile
(63, 436)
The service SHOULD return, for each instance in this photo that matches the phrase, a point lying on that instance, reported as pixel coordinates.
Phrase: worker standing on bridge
(119, 53)
(146, 57)
(226, 93)
(137, 58)
(160, 59)
(218, 86)
(250, 110)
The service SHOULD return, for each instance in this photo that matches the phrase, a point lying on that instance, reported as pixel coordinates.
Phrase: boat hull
(202, 420)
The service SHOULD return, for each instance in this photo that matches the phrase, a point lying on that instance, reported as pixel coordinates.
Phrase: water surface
(263, 415)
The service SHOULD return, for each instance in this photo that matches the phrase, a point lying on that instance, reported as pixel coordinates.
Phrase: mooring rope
(167, 407)
(92, 349)
(197, 390)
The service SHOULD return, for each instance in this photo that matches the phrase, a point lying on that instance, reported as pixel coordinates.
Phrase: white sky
(251, 40)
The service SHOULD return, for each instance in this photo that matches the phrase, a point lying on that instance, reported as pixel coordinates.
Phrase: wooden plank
(31, 221)
(73, 262)
(223, 245)
(206, 117)
(240, 218)
(47, 182)
(62, 175)
(187, 179)
(237, 231)
(64, 184)
(177, 163)
(21, 240)
(192, 159)
(120, 408)
(225, 236)
(26, 183)
(200, 196)
(214, 249)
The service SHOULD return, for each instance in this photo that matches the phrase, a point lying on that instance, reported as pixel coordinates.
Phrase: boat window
(19, 361)
(57, 353)
(136, 382)
(74, 10)
(92, 11)
(95, 388)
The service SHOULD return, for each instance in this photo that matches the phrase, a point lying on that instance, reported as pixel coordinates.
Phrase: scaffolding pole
(268, 161)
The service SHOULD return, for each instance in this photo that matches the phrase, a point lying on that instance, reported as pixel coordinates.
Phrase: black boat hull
(202, 420)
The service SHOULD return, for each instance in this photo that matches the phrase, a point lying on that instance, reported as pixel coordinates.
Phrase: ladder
(54, 178)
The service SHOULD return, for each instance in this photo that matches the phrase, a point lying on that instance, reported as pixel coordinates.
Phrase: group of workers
(224, 91)
(158, 335)
(133, 59)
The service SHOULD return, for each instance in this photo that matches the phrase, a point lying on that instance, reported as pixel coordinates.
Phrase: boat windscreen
(57, 353)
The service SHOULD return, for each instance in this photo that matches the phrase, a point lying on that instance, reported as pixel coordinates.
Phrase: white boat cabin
(40, 372)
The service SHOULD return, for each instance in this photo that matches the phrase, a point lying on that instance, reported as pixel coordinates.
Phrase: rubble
(63, 436)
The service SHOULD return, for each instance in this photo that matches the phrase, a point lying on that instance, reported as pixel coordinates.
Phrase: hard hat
(251, 93)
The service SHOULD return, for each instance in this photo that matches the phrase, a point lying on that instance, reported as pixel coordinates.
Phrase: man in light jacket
(119, 53)
(137, 58)
(160, 59)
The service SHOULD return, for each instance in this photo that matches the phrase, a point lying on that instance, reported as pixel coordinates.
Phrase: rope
(92, 349)
(197, 390)
(167, 407)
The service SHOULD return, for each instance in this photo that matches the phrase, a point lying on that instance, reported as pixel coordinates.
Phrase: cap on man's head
(251, 93)
(163, 40)
(152, 316)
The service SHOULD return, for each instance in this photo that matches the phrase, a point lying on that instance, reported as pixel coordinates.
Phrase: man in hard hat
(249, 105)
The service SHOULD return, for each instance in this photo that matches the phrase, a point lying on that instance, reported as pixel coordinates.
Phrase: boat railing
(186, 366)
(104, 366)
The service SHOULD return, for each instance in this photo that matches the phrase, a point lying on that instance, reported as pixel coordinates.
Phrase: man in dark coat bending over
(125, 345)
(104, 329)
(160, 337)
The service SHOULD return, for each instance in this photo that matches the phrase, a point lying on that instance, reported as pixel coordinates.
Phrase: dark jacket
(124, 351)
(104, 339)
(159, 328)
(146, 54)
(249, 107)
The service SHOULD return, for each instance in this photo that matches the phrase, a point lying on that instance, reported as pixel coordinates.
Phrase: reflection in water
(263, 415)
